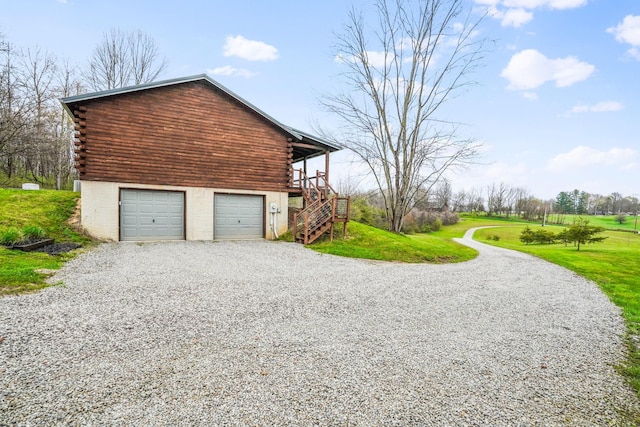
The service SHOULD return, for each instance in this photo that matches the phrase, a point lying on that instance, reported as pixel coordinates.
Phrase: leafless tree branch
(419, 55)
(123, 59)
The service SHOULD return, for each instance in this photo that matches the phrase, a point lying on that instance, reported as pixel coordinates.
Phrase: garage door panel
(144, 197)
(146, 209)
(239, 216)
(151, 215)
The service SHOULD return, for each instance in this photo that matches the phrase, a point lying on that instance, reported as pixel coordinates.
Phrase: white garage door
(151, 215)
(238, 216)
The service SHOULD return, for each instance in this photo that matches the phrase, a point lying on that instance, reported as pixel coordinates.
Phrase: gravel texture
(269, 333)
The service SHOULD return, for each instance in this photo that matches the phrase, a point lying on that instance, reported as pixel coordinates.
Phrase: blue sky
(557, 105)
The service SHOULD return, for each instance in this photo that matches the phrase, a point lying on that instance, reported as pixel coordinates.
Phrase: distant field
(609, 222)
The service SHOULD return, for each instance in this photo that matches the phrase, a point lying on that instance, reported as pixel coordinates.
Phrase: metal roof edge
(322, 141)
(128, 89)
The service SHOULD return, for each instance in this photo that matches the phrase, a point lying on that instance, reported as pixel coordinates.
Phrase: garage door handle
(153, 220)
(238, 221)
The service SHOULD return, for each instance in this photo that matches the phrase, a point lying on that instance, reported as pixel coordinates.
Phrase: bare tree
(399, 74)
(493, 205)
(39, 69)
(68, 84)
(442, 194)
(123, 59)
(616, 202)
(13, 108)
(500, 198)
(475, 200)
(459, 201)
(35, 144)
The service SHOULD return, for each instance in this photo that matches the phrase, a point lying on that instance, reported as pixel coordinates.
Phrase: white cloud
(530, 69)
(600, 107)
(377, 59)
(515, 17)
(628, 31)
(510, 17)
(251, 50)
(634, 52)
(551, 4)
(531, 96)
(516, 13)
(581, 157)
(228, 70)
(479, 177)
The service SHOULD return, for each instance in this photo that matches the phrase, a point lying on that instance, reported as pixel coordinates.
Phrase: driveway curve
(269, 333)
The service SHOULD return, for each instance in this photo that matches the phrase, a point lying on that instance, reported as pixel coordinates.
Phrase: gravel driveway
(268, 333)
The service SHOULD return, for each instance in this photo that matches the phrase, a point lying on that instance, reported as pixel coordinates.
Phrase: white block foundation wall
(100, 210)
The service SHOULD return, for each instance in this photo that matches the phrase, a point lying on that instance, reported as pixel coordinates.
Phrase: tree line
(499, 199)
(35, 133)
(504, 199)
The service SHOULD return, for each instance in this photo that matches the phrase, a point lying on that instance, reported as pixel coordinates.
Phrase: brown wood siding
(188, 134)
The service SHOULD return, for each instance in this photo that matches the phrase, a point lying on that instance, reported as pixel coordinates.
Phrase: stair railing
(323, 207)
(311, 221)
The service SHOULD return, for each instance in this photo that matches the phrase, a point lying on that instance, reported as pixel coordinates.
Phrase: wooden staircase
(324, 208)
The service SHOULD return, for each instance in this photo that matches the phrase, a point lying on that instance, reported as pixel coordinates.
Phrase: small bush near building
(33, 232)
(10, 236)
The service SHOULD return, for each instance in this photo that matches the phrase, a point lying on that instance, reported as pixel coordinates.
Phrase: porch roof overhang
(305, 145)
(309, 146)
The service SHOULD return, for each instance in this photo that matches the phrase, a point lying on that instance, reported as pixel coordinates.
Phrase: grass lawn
(609, 222)
(22, 271)
(368, 242)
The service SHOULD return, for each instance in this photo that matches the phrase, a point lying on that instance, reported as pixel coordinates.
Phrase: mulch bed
(58, 248)
(51, 249)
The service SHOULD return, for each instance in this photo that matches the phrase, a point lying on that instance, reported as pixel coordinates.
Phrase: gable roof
(297, 135)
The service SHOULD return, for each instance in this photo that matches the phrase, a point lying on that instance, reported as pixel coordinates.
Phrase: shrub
(428, 221)
(33, 232)
(364, 213)
(409, 227)
(580, 232)
(526, 236)
(449, 218)
(493, 237)
(544, 236)
(539, 236)
(10, 236)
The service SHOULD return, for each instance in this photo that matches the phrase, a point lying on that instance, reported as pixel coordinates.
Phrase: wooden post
(326, 166)
(333, 216)
(295, 226)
